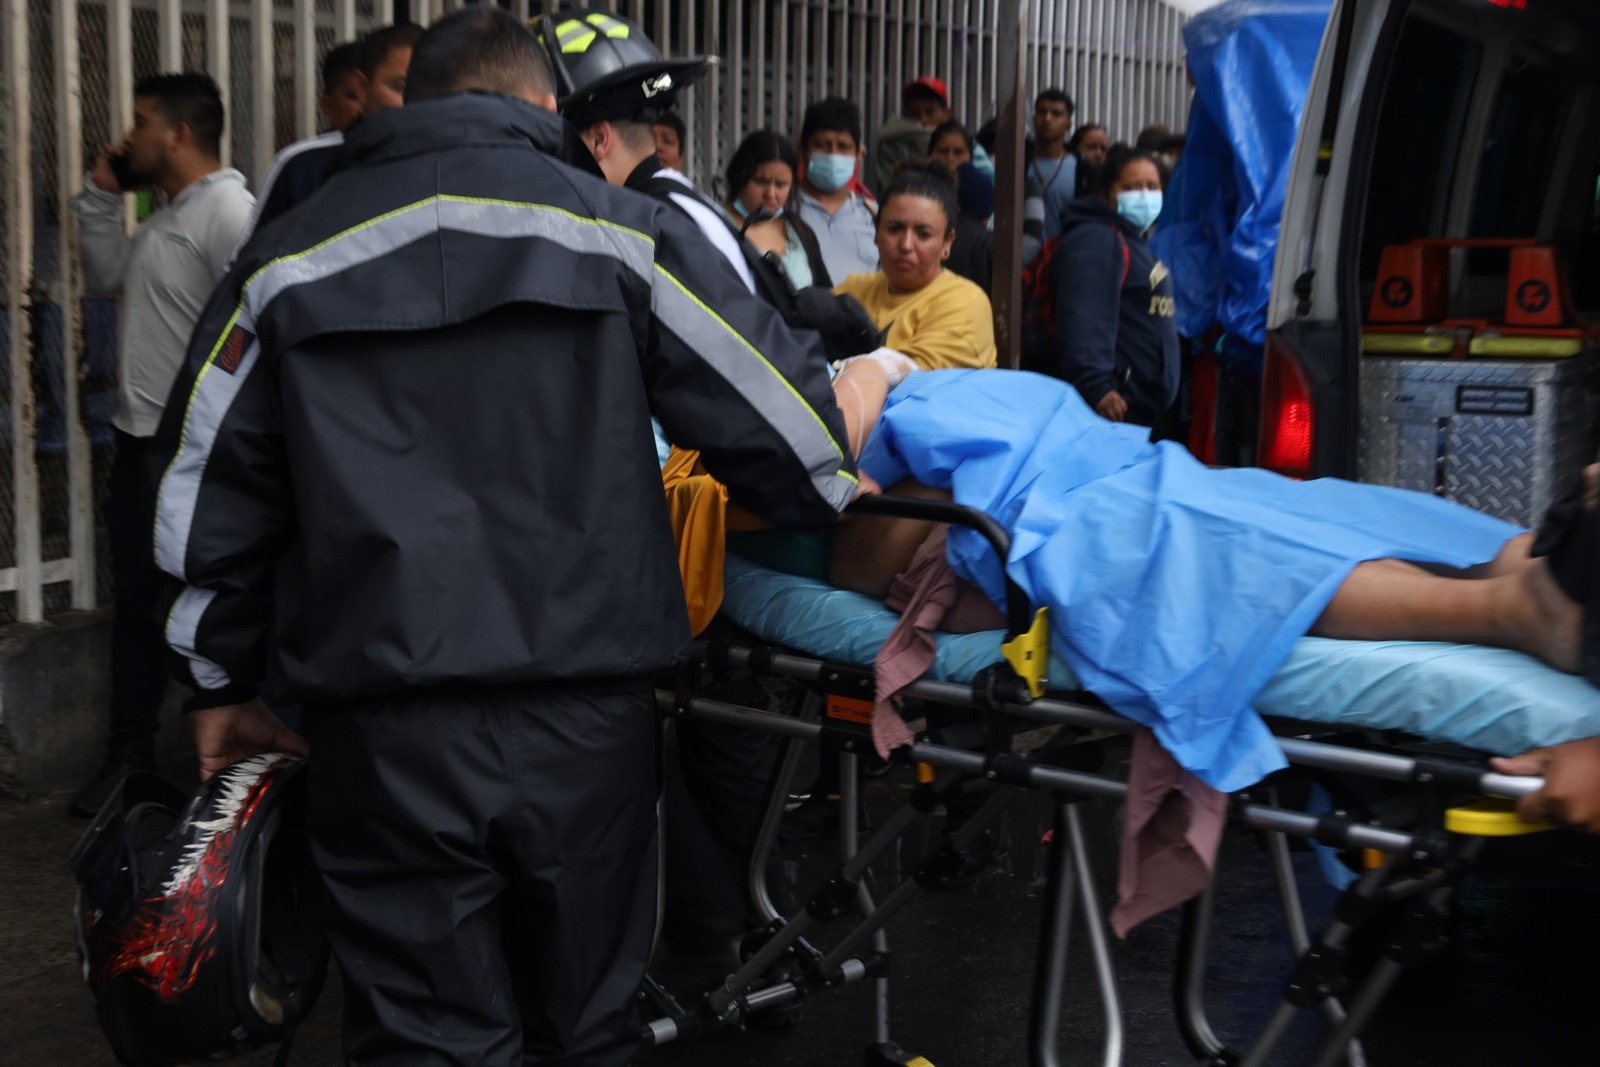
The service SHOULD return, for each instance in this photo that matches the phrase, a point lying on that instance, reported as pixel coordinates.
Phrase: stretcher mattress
(1489, 699)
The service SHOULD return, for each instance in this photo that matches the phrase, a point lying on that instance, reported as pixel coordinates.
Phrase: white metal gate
(67, 69)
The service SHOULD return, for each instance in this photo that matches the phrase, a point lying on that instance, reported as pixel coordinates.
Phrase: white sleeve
(717, 232)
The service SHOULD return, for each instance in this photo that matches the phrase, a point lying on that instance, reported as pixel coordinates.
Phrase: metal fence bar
(69, 171)
(219, 64)
(305, 68)
(19, 276)
(264, 128)
(760, 108)
(169, 34)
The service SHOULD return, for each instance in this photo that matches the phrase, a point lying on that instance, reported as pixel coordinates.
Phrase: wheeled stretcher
(1368, 711)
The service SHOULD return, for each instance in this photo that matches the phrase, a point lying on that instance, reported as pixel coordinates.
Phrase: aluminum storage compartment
(1504, 436)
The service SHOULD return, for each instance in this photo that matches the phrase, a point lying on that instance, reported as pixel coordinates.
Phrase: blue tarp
(1251, 61)
(1176, 592)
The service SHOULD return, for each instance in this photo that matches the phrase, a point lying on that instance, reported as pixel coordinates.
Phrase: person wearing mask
(844, 221)
(761, 182)
(1116, 327)
(301, 168)
(672, 138)
(1052, 166)
(160, 278)
(924, 106)
(364, 513)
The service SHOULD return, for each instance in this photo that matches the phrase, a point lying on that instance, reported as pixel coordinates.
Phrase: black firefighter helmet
(200, 917)
(607, 69)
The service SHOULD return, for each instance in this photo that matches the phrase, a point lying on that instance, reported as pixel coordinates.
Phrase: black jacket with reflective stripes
(410, 445)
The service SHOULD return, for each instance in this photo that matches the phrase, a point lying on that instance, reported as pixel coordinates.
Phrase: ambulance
(1430, 323)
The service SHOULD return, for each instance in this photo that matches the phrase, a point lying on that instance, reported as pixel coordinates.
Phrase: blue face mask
(829, 172)
(1140, 206)
(744, 212)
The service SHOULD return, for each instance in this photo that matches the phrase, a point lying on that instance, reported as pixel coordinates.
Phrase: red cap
(928, 81)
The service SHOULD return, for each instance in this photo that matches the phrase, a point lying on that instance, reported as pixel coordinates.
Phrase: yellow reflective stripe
(566, 29)
(611, 27)
(581, 44)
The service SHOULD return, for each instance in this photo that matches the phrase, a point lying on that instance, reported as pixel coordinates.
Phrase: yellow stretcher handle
(1029, 653)
(1490, 817)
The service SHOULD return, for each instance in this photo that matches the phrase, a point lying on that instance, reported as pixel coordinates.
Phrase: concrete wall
(55, 681)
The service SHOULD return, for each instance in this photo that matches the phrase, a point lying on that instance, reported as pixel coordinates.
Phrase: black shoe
(120, 763)
(953, 868)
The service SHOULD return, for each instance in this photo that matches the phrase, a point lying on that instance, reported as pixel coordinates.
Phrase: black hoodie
(1115, 324)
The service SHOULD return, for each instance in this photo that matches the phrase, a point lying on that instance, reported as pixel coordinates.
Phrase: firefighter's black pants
(490, 861)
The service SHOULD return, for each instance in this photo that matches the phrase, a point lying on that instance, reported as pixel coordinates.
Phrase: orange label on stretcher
(850, 709)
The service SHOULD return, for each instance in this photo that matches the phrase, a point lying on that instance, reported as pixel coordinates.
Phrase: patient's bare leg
(1521, 607)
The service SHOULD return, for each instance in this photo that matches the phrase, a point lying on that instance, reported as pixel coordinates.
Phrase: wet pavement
(1519, 984)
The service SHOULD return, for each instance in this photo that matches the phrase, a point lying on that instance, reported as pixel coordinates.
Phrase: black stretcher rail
(1020, 771)
(1304, 753)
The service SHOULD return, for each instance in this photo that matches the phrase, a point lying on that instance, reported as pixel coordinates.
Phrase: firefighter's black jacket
(411, 445)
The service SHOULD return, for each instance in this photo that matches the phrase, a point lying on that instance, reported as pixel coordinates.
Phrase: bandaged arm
(861, 387)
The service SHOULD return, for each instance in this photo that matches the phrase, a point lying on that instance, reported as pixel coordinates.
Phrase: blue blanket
(1175, 591)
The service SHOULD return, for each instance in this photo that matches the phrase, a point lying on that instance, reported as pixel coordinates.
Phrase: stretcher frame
(1426, 838)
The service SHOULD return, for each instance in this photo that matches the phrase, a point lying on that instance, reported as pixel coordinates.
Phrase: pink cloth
(929, 597)
(1171, 827)
(923, 593)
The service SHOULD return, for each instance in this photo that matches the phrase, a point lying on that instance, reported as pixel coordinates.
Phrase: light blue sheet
(1177, 590)
(1489, 699)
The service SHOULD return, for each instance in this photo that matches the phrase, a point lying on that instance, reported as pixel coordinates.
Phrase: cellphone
(122, 170)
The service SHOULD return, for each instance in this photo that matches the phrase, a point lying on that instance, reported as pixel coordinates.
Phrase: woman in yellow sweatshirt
(933, 316)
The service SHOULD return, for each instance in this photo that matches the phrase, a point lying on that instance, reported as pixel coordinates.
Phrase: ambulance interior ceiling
(1490, 127)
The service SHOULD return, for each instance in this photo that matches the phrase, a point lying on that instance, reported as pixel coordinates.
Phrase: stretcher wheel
(1490, 818)
(889, 1054)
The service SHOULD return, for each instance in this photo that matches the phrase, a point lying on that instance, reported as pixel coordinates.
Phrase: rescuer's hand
(1112, 406)
(1571, 792)
(224, 736)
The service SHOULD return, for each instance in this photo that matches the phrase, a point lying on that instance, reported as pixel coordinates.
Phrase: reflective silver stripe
(763, 388)
(499, 218)
(214, 391)
(183, 622)
(209, 401)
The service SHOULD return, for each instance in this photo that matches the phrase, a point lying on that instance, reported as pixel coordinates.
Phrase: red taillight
(1288, 414)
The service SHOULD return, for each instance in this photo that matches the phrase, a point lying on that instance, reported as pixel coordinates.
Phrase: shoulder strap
(1127, 254)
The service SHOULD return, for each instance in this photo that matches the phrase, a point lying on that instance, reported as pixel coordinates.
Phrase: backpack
(1039, 351)
(846, 329)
